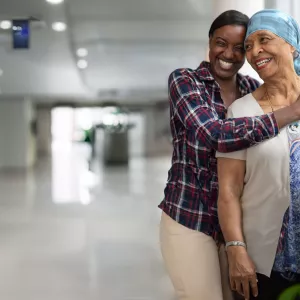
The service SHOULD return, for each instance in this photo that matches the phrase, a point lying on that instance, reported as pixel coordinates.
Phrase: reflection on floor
(67, 233)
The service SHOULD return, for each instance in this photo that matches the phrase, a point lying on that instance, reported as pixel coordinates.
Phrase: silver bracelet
(235, 243)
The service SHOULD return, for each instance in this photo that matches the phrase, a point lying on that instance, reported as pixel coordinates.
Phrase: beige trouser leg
(192, 261)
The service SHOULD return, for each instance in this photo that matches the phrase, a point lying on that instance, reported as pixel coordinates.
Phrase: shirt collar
(204, 73)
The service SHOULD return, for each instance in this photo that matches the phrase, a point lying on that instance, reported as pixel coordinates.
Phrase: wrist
(236, 249)
(235, 243)
(295, 108)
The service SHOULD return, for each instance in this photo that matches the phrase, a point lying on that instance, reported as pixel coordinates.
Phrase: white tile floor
(69, 234)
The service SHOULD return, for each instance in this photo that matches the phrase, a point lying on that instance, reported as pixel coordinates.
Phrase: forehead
(259, 33)
(231, 33)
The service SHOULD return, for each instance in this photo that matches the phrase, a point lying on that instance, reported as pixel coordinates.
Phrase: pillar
(17, 134)
(149, 138)
(44, 136)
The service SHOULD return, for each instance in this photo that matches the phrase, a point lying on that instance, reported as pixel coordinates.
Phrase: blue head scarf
(281, 24)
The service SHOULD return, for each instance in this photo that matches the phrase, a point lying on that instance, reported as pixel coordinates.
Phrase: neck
(226, 84)
(283, 90)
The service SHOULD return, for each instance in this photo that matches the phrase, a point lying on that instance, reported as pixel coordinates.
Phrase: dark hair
(229, 17)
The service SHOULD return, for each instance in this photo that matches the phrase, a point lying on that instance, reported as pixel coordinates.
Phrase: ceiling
(133, 45)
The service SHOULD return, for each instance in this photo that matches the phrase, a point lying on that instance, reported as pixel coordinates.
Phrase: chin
(226, 74)
(266, 75)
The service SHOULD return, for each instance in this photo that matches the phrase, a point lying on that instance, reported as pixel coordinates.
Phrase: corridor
(70, 233)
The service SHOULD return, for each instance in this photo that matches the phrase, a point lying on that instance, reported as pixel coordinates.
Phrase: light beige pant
(197, 268)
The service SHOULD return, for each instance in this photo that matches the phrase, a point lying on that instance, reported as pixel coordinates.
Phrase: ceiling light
(5, 24)
(82, 52)
(82, 64)
(55, 1)
(59, 26)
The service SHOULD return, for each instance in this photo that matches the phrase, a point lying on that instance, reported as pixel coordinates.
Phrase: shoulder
(200, 76)
(181, 73)
(248, 83)
(253, 83)
(185, 80)
(243, 107)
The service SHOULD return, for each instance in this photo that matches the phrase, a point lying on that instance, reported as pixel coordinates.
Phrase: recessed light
(55, 1)
(82, 52)
(5, 24)
(59, 26)
(82, 64)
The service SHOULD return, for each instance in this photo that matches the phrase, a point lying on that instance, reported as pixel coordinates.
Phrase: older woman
(259, 188)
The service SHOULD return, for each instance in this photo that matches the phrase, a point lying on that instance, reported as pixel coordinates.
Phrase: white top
(266, 194)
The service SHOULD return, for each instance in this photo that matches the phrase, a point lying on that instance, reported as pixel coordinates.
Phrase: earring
(295, 54)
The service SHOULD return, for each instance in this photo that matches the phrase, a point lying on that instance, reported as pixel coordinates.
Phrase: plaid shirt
(198, 128)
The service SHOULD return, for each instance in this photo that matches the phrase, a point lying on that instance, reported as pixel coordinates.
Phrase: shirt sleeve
(241, 154)
(190, 103)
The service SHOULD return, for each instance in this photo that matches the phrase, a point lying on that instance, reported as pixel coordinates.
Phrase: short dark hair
(229, 17)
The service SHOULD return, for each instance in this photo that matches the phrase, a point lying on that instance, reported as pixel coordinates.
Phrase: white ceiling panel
(133, 45)
(115, 10)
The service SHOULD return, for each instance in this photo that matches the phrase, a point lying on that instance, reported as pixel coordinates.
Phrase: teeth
(262, 62)
(225, 63)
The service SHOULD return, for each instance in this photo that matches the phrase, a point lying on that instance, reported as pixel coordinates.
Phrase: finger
(238, 287)
(246, 288)
(254, 286)
(232, 283)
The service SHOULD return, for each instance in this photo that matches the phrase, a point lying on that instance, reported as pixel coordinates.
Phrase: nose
(256, 50)
(228, 53)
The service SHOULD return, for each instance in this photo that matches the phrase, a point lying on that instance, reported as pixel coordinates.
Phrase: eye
(221, 44)
(248, 47)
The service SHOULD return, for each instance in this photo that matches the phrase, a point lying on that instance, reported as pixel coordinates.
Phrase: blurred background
(85, 143)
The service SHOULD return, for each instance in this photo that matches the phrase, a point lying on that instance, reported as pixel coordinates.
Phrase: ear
(295, 52)
(292, 49)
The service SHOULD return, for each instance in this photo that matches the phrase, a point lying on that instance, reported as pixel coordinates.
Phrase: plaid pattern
(198, 128)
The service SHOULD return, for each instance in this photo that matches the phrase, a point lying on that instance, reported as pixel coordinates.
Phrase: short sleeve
(241, 155)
